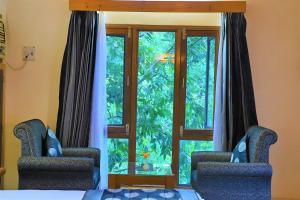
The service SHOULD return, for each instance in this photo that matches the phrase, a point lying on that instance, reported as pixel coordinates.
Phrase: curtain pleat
(98, 132)
(76, 80)
(235, 108)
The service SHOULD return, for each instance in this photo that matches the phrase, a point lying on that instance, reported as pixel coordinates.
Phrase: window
(196, 97)
(160, 94)
(115, 79)
(117, 82)
(118, 97)
(199, 98)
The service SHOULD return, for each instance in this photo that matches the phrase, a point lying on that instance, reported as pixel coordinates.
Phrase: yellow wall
(274, 45)
(32, 92)
(193, 19)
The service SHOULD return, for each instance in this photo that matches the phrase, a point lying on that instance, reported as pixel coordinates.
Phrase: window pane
(186, 149)
(115, 79)
(199, 102)
(117, 155)
(155, 96)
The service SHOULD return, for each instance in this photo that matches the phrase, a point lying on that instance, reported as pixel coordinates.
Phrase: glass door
(160, 95)
(155, 94)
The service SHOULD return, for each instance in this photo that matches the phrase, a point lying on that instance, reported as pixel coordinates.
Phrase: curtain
(234, 105)
(76, 80)
(98, 133)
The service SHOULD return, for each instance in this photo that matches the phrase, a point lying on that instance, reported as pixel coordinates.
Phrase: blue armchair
(216, 178)
(78, 169)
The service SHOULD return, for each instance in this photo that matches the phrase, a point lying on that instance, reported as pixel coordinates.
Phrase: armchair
(78, 169)
(216, 178)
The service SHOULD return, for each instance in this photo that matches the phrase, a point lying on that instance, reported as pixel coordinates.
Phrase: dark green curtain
(235, 108)
(76, 80)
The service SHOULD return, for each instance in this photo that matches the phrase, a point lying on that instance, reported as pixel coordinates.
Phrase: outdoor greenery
(200, 87)
(155, 92)
(186, 149)
(118, 155)
(115, 79)
(155, 95)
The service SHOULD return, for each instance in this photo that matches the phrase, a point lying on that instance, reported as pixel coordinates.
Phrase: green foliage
(155, 93)
(187, 147)
(155, 96)
(118, 155)
(115, 79)
(198, 93)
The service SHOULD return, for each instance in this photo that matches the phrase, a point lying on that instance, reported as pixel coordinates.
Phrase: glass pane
(186, 149)
(115, 79)
(199, 102)
(117, 155)
(155, 96)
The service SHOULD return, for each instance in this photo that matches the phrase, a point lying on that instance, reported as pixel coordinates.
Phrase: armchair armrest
(234, 169)
(55, 164)
(209, 156)
(83, 152)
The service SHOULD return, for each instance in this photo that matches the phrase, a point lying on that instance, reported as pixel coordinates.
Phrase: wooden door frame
(179, 74)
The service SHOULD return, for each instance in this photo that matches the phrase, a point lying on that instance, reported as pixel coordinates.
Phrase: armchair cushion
(55, 164)
(209, 156)
(240, 153)
(234, 169)
(53, 145)
(83, 152)
(234, 181)
(57, 173)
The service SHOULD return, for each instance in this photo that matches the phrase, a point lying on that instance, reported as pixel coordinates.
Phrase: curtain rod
(157, 6)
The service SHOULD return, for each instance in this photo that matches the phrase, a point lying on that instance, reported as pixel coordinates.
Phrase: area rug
(141, 194)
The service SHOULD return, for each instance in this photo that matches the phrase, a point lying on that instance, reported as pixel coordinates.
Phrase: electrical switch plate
(29, 53)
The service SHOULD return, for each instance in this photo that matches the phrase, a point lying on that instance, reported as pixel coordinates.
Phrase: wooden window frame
(187, 133)
(131, 35)
(119, 131)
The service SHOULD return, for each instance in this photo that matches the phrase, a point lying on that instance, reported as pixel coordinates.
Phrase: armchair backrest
(31, 133)
(259, 143)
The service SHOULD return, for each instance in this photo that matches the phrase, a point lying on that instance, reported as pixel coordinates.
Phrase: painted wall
(274, 45)
(32, 92)
(193, 19)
